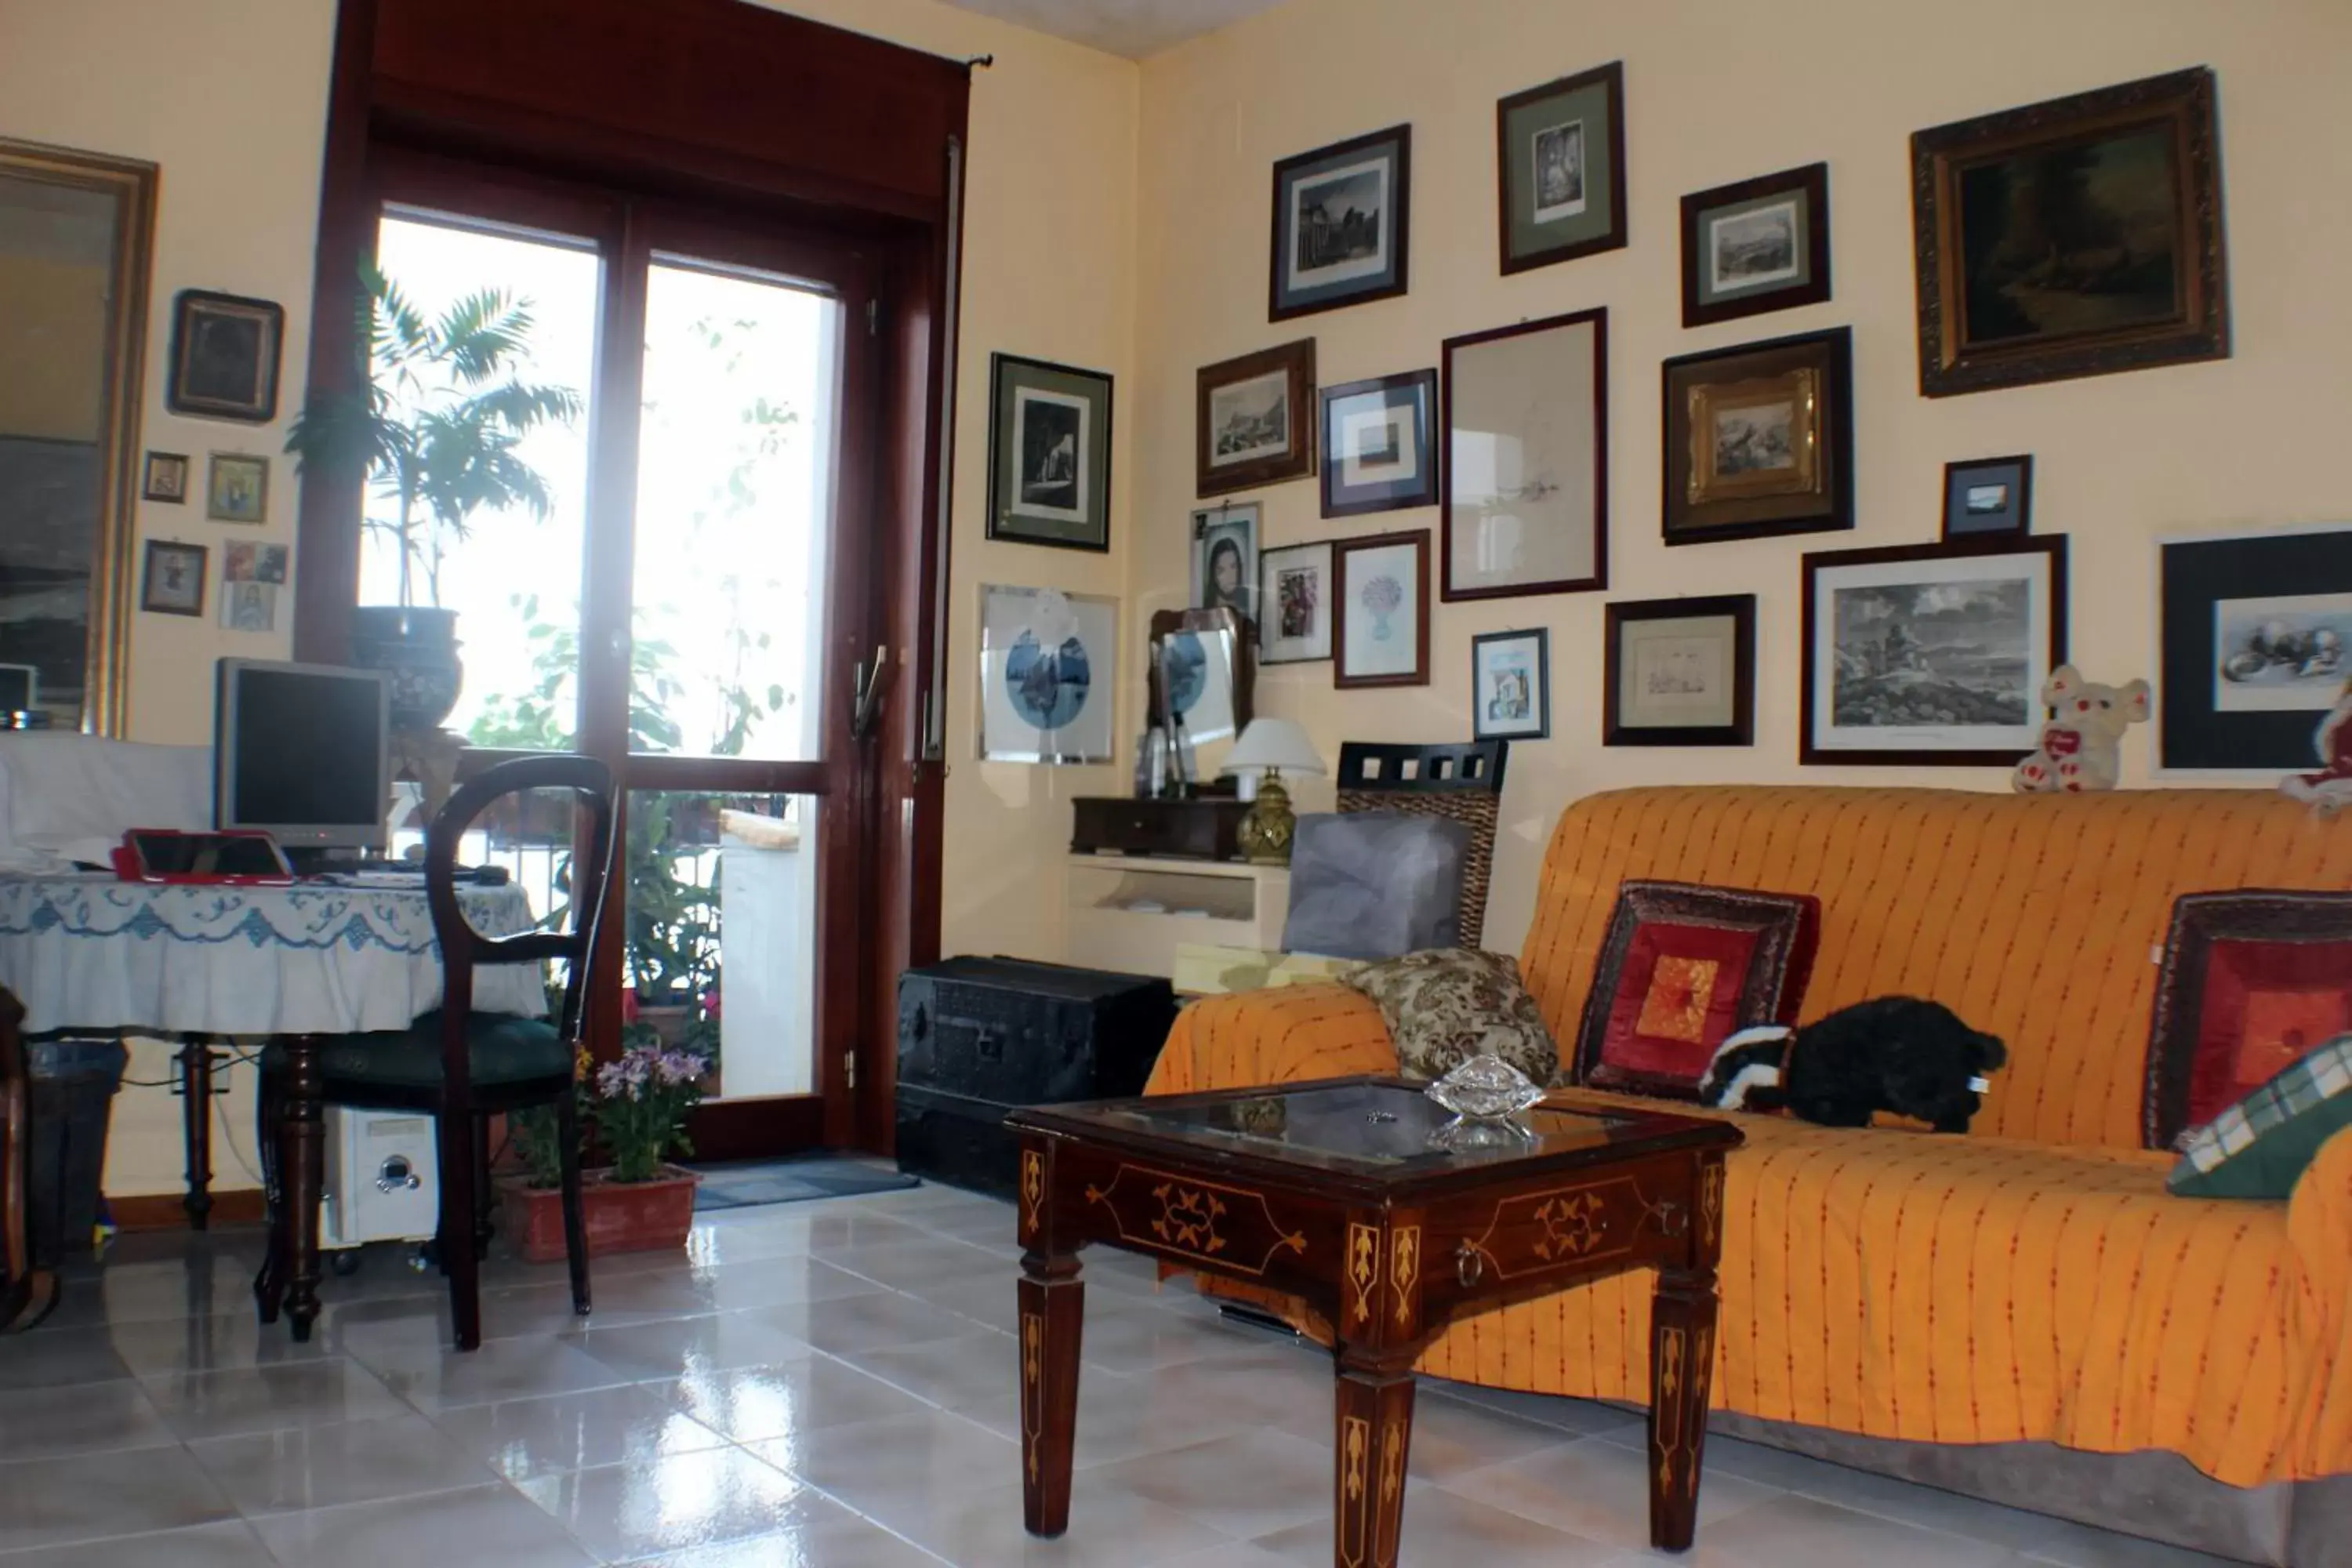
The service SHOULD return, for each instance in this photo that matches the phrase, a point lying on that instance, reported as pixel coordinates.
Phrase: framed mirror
(1203, 665)
(76, 235)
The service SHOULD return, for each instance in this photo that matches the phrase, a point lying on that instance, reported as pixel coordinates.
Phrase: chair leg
(484, 1194)
(456, 1136)
(302, 1160)
(268, 1118)
(575, 1218)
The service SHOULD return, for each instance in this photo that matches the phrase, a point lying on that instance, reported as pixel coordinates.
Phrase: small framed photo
(2255, 636)
(1294, 591)
(1560, 159)
(1757, 246)
(1043, 654)
(1379, 451)
(237, 489)
(1526, 459)
(250, 607)
(225, 353)
(166, 478)
(1342, 230)
(1760, 440)
(1991, 494)
(1048, 453)
(173, 582)
(1225, 558)
(1510, 685)
(1379, 622)
(248, 563)
(1251, 419)
(1680, 672)
(1931, 654)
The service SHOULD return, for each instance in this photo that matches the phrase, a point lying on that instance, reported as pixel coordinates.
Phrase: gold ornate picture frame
(1759, 439)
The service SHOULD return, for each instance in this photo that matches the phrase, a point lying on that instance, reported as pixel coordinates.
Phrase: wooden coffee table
(1337, 1192)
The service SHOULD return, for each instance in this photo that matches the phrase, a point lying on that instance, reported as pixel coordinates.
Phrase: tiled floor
(820, 1385)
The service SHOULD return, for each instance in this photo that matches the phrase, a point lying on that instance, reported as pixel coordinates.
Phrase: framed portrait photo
(1510, 685)
(1757, 246)
(1760, 440)
(1987, 496)
(1342, 224)
(1379, 621)
(1931, 654)
(1295, 591)
(165, 478)
(1526, 459)
(1048, 453)
(1560, 158)
(2255, 635)
(1680, 672)
(1379, 448)
(225, 353)
(2079, 237)
(1225, 558)
(237, 489)
(1048, 670)
(173, 582)
(1251, 419)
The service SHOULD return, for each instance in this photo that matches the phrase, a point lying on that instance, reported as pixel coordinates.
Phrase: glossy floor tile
(823, 1385)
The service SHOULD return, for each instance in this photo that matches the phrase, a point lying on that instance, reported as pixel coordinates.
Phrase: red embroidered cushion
(1682, 966)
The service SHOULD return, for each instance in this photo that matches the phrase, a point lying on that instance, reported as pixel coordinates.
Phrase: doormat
(747, 1183)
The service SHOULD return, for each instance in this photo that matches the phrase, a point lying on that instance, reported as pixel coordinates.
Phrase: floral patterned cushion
(1447, 1005)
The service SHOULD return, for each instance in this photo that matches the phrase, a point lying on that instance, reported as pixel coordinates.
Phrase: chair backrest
(463, 947)
(1462, 782)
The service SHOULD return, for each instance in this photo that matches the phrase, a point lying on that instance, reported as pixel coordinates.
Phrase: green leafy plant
(640, 1107)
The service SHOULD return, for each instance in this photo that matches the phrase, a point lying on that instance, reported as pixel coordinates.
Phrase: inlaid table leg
(1372, 1432)
(1682, 1365)
(1053, 1317)
(196, 1127)
(302, 1157)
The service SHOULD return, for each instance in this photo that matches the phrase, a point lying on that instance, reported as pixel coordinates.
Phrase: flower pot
(636, 1216)
(417, 647)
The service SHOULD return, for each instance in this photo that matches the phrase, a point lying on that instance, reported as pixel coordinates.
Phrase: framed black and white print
(1526, 459)
(1253, 419)
(1560, 162)
(225, 353)
(1680, 672)
(173, 581)
(1757, 246)
(1931, 654)
(1378, 451)
(1295, 591)
(1048, 669)
(1224, 557)
(1989, 495)
(2256, 645)
(1342, 227)
(1048, 453)
(1510, 685)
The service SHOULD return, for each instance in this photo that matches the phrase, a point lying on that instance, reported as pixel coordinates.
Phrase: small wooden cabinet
(1130, 912)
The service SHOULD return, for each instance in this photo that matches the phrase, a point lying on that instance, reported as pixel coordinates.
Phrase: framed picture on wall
(1760, 440)
(1379, 452)
(1048, 669)
(2078, 236)
(2255, 635)
(1510, 685)
(1252, 418)
(1680, 672)
(173, 581)
(1931, 654)
(1560, 157)
(1379, 621)
(165, 478)
(1757, 246)
(225, 353)
(1225, 558)
(1526, 459)
(1295, 591)
(237, 488)
(1989, 495)
(1048, 453)
(1342, 232)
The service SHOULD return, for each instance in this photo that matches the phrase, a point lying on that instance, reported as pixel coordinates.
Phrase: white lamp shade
(1274, 744)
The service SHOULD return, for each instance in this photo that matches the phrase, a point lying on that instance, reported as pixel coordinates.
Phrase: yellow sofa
(2030, 1283)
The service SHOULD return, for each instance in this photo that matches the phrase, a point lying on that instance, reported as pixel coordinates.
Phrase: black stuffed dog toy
(1915, 1058)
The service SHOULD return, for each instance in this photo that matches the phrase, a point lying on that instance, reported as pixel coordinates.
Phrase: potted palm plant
(436, 431)
(635, 1109)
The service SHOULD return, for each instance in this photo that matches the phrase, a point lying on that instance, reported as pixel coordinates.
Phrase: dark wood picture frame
(147, 582)
(1542, 731)
(1610, 78)
(1812, 184)
(2016, 518)
(2051, 545)
(1953, 357)
(1011, 528)
(1341, 549)
(2196, 736)
(1295, 361)
(200, 367)
(1281, 304)
(1828, 508)
(1425, 491)
(154, 486)
(1740, 608)
(1598, 578)
(1269, 590)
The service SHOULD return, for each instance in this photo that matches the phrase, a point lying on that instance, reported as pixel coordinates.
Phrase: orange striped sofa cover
(2030, 1282)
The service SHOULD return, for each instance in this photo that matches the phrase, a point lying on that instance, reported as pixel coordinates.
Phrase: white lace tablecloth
(96, 953)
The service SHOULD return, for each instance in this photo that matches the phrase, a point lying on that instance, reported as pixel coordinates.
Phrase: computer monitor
(302, 751)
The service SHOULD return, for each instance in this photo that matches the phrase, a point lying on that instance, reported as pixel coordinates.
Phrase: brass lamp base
(1265, 833)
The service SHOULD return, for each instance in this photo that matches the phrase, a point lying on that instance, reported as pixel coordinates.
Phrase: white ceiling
(1131, 27)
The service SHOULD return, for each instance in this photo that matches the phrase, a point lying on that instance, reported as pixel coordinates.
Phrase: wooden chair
(27, 1294)
(1462, 782)
(453, 1064)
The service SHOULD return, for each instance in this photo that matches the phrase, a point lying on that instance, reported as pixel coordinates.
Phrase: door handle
(867, 682)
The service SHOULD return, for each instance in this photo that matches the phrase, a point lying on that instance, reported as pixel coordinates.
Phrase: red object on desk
(240, 857)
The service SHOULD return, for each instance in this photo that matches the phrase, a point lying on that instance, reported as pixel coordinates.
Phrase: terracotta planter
(641, 1216)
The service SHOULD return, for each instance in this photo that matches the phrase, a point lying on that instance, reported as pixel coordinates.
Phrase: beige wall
(1714, 93)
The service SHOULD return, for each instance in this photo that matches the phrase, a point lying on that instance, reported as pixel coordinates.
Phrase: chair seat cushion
(505, 1049)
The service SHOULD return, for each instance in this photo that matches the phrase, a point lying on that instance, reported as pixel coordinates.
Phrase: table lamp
(1272, 745)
